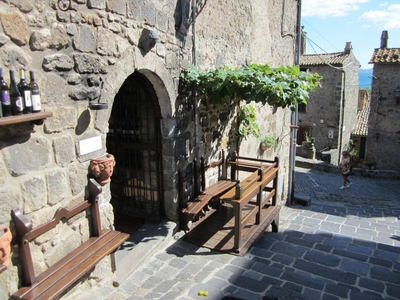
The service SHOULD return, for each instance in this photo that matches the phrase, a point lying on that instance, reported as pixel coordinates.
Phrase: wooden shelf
(36, 118)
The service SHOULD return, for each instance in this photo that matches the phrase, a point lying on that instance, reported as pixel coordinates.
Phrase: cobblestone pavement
(346, 245)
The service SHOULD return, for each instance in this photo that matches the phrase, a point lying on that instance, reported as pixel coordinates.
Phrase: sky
(331, 23)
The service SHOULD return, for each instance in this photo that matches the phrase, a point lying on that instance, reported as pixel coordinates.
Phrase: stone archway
(153, 68)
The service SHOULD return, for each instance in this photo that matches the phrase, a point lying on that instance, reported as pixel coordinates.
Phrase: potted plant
(269, 142)
(309, 142)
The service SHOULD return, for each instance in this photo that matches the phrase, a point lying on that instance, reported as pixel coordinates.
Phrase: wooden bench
(254, 193)
(51, 283)
(203, 199)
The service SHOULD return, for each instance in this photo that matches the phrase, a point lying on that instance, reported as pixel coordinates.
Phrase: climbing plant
(279, 87)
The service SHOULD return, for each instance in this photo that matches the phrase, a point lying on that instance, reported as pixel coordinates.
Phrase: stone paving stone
(254, 275)
(178, 263)
(355, 267)
(165, 286)
(267, 270)
(336, 243)
(349, 254)
(170, 296)
(152, 295)
(292, 286)
(288, 249)
(354, 295)
(393, 290)
(337, 290)
(347, 230)
(283, 294)
(372, 285)
(259, 252)
(248, 283)
(323, 271)
(389, 248)
(359, 249)
(296, 234)
(201, 276)
(384, 275)
(386, 255)
(322, 247)
(369, 244)
(245, 294)
(217, 283)
(322, 258)
(299, 241)
(380, 262)
(242, 262)
(312, 294)
(336, 219)
(304, 279)
(283, 259)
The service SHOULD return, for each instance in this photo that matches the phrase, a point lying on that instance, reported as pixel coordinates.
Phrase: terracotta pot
(5, 246)
(102, 168)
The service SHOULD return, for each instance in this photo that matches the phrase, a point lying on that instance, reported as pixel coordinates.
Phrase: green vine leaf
(279, 87)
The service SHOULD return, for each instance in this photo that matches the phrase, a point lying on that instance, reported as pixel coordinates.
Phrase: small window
(302, 108)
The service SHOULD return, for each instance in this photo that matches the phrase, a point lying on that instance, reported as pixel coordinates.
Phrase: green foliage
(270, 142)
(279, 87)
(248, 122)
(307, 137)
(351, 148)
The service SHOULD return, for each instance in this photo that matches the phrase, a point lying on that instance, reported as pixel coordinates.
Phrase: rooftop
(323, 59)
(385, 55)
(363, 114)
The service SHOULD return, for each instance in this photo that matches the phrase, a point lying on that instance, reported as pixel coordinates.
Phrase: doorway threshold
(143, 244)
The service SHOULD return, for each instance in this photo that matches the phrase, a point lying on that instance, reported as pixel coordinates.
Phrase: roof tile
(385, 55)
(323, 59)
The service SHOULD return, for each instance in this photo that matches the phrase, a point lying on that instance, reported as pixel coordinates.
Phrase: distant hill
(365, 78)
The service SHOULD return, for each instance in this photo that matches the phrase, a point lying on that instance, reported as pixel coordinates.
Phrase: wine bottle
(15, 95)
(25, 92)
(36, 101)
(4, 96)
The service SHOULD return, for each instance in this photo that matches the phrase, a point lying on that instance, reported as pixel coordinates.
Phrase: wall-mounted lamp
(322, 121)
(98, 105)
(397, 94)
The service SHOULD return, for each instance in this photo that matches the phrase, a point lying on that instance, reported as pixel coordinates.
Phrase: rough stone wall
(324, 104)
(383, 123)
(73, 48)
(323, 111)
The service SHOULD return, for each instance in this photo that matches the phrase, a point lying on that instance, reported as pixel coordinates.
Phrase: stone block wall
(383, 124)
(74, 46)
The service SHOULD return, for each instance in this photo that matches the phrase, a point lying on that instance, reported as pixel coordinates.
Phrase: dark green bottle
(16, 97)
(4, 96)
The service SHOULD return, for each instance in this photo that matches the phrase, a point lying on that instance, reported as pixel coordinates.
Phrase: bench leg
(238, 226)
(275, 224)
(186, 222)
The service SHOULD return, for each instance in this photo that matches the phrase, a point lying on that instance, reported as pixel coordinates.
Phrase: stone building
(129, 55)
(331, 113)
(360, 133)
(383, 123)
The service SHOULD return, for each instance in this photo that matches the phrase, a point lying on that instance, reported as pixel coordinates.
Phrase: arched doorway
(134, 139)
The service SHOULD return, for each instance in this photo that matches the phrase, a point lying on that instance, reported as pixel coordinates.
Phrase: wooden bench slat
(246, 184)
(72, 267)
(196, 206)
(219, 187)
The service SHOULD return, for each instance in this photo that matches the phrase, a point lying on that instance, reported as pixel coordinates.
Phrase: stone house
(129, 55)
(331, 113)
(383, 123)
(359, 135)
